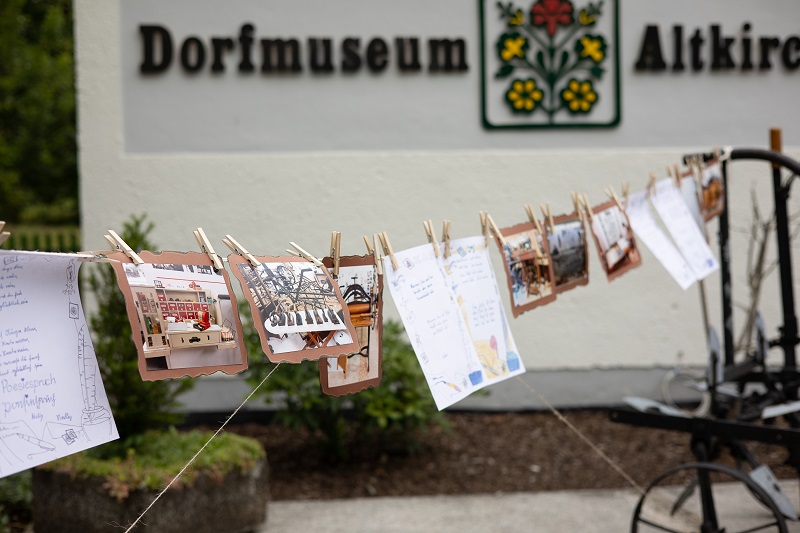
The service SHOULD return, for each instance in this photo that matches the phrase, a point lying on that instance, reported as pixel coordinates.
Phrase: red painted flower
(551, 13)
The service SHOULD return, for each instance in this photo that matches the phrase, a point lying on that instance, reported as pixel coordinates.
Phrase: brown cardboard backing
(633, 258)
(310, 354)
(712, 198)
(175, 258)
(576, 282)
(375, 350)
(517, 310)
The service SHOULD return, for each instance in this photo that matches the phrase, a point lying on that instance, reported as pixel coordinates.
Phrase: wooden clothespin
(4, 235)
(493, 227)
(576, 203)
(378, 257)
(613, 195)
(336, 239)
(238, 249)
(588, 208)
(532, 217)
(118, 244)
(676, 168)
(626, 191)
(369, 245)
(548, 216)
(484, 228)
(446, 238)
(716, 153)
(651, 185)
(387, 249)
(428, 225)
(205, 246)
(305, 255)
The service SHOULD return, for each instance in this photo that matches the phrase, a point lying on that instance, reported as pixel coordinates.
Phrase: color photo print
(567, 240)
(528, 267)
(362, 290)
(712, 191)
(297, 309)
(614, 238)
(183, 315)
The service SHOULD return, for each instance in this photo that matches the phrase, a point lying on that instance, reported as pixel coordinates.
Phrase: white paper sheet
(689, 192)
(646, 228)
(435, 325)
(469, 273)
(52, 401)
(691, 242)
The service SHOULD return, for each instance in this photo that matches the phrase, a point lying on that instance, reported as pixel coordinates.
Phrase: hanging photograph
(566, 237)
(529, 269)
(183, 315)
(362, 290)
(298, 310)
(712, 195)
(614, 238)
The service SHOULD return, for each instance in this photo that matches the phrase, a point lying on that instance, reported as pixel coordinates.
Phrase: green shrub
(159, 455)
(15, 501)
(392, 414)
(137, 405)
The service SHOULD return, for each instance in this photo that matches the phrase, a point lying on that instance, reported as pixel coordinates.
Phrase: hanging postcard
(566, 237)
(614, 239)
(183, 315)
(435, 325)
(528, 267)
(53, 401)
(297, 309)
(647, 229)
(362, 291)
(677, 218)
(689, 191)
(469, 273)
(712, 195)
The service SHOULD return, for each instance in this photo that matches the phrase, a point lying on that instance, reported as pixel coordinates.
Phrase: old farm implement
(750, 400)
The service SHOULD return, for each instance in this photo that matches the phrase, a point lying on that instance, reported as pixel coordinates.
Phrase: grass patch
(159, 455)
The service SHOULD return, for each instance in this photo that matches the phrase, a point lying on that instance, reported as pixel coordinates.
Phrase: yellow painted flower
(585, 18)
(524, 96)
(512, 46)
(579, 97)
(592, 47)
(517, 19)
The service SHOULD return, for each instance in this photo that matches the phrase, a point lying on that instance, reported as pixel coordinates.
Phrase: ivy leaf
(504, 71)
(540, 60)
(597, 71)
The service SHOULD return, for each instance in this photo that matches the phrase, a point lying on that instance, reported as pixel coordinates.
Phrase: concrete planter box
(236, 504)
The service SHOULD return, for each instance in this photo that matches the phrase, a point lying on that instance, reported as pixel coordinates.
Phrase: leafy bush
(15, 501)
(137, 405)
(392, 414)
(159, 455)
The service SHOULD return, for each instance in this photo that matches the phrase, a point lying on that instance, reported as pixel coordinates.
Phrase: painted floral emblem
(552, 59)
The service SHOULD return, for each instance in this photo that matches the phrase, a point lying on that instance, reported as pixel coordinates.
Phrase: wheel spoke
(659, 526)
(758, 528)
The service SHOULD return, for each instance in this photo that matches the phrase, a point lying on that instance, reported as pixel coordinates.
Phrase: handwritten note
(670, 206)
(52, 401)
(435, 325)
(646, 228)
(469, 273)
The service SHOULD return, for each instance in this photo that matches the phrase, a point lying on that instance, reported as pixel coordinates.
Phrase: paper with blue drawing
(454, 317)
(52, 401)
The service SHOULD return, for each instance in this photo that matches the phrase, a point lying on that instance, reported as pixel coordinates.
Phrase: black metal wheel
(706, 498)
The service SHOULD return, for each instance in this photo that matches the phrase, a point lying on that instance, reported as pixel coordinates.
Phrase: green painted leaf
(597, 71)
(564, 59)
(540, 60)
(504, 71)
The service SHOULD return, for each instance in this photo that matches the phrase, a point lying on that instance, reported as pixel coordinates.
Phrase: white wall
(267, 198)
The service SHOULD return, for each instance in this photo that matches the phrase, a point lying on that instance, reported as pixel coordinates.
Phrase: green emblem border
(597, 125)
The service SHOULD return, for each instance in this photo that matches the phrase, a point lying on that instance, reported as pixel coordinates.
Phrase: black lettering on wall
(408, 54)
(351, 61)
(314, 62)
(747, 48)
(447, 55)
(720, 50)
(377, 55)
(280, 55)
(246, 45)
(650, 56)
(696, 43)
(791, 45)
(767, 44)
(677, 39)
(219, 45)
(190, 45)
(150, 63)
